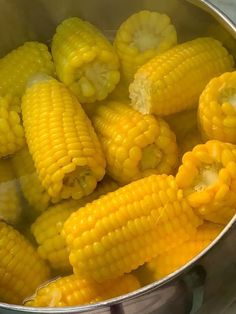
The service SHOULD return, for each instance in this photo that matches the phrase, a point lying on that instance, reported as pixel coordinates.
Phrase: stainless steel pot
(203, 277)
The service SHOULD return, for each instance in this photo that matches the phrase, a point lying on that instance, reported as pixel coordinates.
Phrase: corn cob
(11, 130)
(190, 141)
(31, 187)
(85, 60)
(182, 123)
(47, 227)
(140, 38)
(172, 82)
(17, 67)
(208, 177)
(175, 258)
(134, 145)
(216, 111)
(65, 149)
(221, 217)
(73, 290)
(21, 269)
(10, 203)
(127, 227)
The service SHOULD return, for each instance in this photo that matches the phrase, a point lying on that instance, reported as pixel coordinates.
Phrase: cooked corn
(135, 145)
(208, 177)
(65, 149)
(173, 81)
(85, 60)
(73, 290)
(31, 187)
(182, 123)
(47, 227)
(175, 258)
(141, 37)
(217, 109)
(128, 227)
(21, 269)
(17, 67)
(11, 130)
(10, 202)
(221, 217)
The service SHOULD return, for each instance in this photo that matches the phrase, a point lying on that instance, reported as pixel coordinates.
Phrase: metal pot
(186, 289)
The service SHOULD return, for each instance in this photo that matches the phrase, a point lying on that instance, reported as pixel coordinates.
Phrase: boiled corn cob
(31, 187)
(134, 145)
(128, 227)
(217, 109)
(10, 202)
(141, 37)
(175, 258)
(12, 136)
(208, 177)
(65, 149)
(47, 227)
(73, 290)
(190, 141)
(182, 123)
(221, 217)
(85, 60)
(17, 67)
(21, 269)
(173, 81)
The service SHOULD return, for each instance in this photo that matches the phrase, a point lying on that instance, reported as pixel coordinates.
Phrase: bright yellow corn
(135, 145)
(17, 67)
(65, 149)
(47, 227)
(128, 227)
(221, 217)
(73, 290)
(173, 81)
(11, 130)
(190, 141)
(208, 177)
(141, 37)
(10, 202)
(175, 258)
(21, 269)
(182, 123)
(217, 109)
(32, 189)
(85, 60)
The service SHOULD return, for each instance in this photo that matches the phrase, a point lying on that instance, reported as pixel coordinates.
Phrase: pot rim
(224, 20)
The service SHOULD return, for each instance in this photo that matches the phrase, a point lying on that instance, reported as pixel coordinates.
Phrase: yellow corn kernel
(190, 141)
(220, 217)
(135, 145)
(17, 67)
(10, 202)
(141, 37)
(217, 109)
(207, 176)
(31, 187)
(65, 149)
(173, 81)
(85, 60)
(175, 258)
(182, 123)
(21, 269)
(12, 136)
(128, 227)
(47, 227)
(73, 290)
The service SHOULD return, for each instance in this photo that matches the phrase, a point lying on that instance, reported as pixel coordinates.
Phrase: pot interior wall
(36, 20)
